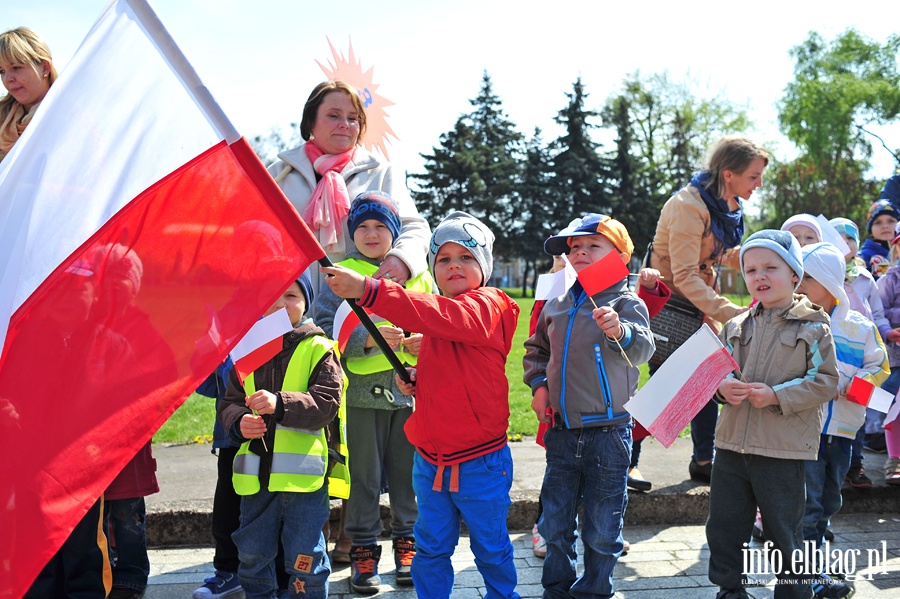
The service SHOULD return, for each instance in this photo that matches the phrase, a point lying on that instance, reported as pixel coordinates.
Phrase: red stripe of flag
(259, 356)
(603, 273)
(691, 397)
(860, 391)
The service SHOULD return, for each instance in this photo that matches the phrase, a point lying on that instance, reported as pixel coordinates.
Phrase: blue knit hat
(847, 227)
(305, 283)
(877, 209)
(782, 243)
(375, 205)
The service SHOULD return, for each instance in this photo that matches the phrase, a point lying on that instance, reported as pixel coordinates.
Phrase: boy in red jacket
(463, 466)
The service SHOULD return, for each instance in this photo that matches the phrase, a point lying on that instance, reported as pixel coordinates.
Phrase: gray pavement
(665, 527)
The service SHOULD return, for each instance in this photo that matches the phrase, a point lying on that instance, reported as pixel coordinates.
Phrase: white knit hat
(825, 263)
(469, 232)
(807, 220)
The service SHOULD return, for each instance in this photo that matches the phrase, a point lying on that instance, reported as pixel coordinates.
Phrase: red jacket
(462, 394)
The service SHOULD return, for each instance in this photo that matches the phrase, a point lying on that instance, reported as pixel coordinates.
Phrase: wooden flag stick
(622, 351)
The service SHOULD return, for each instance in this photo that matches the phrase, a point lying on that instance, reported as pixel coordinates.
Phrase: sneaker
(826, 586)
(223, 584)
(892, 471)
(829, 536)
(404, 552)
(700, 473)
(637, 482)
(857, 478)
(538, 543)
(364, 576)
(875, 442)
(626, 547)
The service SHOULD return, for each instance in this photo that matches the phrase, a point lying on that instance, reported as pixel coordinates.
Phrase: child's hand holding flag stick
(595, 278)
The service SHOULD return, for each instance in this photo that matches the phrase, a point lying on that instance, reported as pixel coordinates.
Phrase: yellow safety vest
(300, 456)
(378, 362)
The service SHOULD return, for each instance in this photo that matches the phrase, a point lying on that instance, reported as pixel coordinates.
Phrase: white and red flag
(140, 238)
(345, 321)
(682, 386)
(261, 343)
(866, 393)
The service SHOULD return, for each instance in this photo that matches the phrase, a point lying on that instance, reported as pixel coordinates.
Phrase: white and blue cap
(782, 243)
(825, 263)
(469, 232)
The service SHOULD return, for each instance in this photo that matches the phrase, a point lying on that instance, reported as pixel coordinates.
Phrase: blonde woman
(27, 72)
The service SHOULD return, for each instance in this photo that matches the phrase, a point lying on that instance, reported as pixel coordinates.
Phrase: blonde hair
(731, 153)
(23, 46)
(894, 255)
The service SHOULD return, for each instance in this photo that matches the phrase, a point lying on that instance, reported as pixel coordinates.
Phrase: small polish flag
(345, 321)
(603, 273)
(866, 394)
(261, 343)
(682, 386)
(555, 284)
(831, 235)
(141, 238)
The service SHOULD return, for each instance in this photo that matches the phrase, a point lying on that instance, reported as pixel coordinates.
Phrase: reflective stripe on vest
(300, 456)
(378, 362)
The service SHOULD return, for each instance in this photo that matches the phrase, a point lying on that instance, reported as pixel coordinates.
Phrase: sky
(258, 57)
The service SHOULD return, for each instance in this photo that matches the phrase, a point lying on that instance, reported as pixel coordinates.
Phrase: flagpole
(380, 341)
(622, 351)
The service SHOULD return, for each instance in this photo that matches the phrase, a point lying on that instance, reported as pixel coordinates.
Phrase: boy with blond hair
(575, 363)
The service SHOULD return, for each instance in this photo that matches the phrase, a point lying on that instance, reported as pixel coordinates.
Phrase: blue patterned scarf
(727, 227)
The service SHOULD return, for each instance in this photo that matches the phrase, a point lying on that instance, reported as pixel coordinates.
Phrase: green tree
(839, 88)
(663, 130)
(476, 169)
(534, 206)
(579, 173)
(276, 140)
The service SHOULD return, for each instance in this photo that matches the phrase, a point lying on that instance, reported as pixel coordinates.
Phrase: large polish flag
(682, 386)
(140, 238)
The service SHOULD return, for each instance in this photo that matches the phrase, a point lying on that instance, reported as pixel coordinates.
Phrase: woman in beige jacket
(700, 229)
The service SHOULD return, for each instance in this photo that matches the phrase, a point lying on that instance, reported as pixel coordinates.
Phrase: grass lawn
(193, 421)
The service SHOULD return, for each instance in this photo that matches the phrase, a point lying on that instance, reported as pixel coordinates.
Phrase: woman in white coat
(323, 175)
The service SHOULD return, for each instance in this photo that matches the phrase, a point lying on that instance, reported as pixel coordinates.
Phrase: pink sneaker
(539, 545)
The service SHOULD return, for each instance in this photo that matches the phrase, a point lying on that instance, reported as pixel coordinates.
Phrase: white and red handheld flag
(345, 321)
(141, 238)
(682, 386)
(261, 343)
(866, 393)
(555, 284)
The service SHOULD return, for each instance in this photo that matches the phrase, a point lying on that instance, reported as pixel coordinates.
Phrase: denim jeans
(483, 504)
(301, 516)
(824, 477)
(586, 468)
(127, 520)
(740, 482)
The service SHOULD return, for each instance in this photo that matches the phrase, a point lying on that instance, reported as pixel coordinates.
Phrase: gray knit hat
(469, 232)
(782, 243)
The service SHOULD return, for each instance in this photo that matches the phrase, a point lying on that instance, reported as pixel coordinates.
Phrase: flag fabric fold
(142, 238)
(682, 386)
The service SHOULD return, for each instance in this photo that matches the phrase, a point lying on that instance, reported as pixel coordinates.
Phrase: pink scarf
(329, 204)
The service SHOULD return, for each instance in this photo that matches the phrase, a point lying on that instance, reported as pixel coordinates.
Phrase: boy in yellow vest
(289, 418)
(376, 408)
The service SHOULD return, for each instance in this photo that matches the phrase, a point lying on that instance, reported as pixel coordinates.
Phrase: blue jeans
(128, 521)
(824, 477)
(588, 468)
(483, 503)
(302, 516)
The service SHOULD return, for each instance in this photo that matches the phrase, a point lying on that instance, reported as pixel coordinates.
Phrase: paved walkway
(664, 562)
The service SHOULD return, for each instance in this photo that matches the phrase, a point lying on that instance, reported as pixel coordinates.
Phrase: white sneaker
(539, 545)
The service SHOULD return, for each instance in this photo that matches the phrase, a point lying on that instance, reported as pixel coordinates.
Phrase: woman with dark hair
(698, 231)
(322, 176)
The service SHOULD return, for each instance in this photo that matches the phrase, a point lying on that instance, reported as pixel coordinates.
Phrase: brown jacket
(791, 351)
(683, 252)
